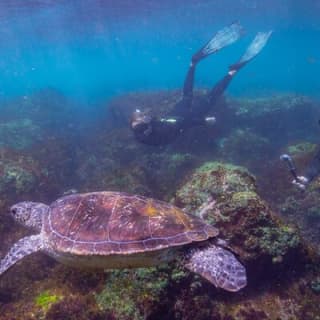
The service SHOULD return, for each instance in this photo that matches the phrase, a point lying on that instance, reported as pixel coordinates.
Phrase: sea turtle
(114, 230)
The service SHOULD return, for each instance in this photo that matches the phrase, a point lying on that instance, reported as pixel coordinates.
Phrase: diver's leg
(185, 103)
(221, 39)
(252, 51)
(219, 88)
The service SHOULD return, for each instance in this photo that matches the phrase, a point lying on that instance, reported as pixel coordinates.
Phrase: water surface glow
(91, 50)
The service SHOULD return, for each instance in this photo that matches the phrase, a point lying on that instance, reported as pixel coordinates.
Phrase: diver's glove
(301, 182)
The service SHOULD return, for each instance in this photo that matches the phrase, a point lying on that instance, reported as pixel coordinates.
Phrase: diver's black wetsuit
(185, 114)
(189, 113)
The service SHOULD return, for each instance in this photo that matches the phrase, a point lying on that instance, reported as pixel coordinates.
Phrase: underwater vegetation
(45, 300)
(19, 134)
(20, 173)
(134, 294)
(230, 175)
(242, 216)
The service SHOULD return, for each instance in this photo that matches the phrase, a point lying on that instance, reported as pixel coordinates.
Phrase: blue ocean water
(93, 50)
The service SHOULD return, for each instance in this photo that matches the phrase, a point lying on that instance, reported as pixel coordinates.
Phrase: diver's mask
(141, 122)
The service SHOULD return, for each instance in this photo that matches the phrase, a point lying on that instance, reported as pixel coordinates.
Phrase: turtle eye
(14, 211)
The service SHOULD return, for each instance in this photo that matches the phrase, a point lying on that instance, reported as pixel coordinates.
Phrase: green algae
(213, 166)
(216, 180)
(277, 241)
(46, 299)
(176, 160)
(128, 294)
(16, 177)
(302, 148)
(76, 307)
(19, 134)
(239, 213)
(241, 143)
(260, 106)
(242, 199)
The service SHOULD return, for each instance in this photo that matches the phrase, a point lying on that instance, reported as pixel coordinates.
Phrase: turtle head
(29, 214)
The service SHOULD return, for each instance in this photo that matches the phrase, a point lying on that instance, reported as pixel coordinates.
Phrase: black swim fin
(221, 39)
(253, 50)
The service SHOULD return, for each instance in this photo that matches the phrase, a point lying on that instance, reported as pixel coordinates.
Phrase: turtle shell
(106, 223)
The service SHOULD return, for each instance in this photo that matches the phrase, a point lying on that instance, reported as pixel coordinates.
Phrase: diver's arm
(300, 181)
(158, 131)
(290, 164)
(312, 171)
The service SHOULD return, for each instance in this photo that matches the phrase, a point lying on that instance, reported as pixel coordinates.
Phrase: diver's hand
(301, 182)
(148, 131)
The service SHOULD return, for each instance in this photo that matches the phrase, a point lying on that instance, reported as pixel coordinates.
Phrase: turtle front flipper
(219, 266)
(22, 248)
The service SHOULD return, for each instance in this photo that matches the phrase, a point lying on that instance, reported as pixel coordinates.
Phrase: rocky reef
(21, 176)
(19, 134)
(226, 196)
(229, 175)
(281, 117)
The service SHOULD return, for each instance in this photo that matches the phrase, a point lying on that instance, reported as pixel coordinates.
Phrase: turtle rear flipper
(22, 248)
(219, 266)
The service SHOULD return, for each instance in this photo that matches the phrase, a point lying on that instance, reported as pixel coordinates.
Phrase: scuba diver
(190, 111)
